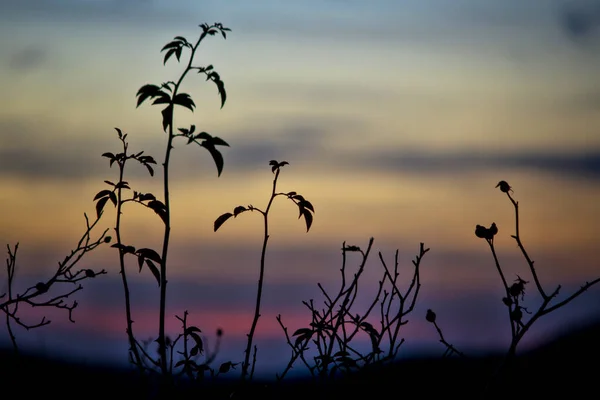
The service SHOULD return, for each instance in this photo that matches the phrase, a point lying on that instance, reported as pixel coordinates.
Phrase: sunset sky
(398, 118)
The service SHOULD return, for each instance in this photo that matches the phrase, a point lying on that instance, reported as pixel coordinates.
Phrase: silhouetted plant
(450, 349)
(167, 94)
(305, 209)
(335, 328)
(515, 292)
(52, 292)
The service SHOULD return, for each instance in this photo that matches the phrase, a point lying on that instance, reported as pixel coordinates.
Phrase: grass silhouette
(182, 366)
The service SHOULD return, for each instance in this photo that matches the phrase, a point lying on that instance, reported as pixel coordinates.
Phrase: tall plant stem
(132, 342)
(167, 233)
(260, 281)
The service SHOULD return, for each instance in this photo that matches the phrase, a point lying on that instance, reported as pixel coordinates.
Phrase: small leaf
(100, 206)
(122, 185)
(108, 155)
(146, 196)
(216, 155)
(308, 218)
(167, 115)
(308, 204)
(238, 210)
(184, 99)
(162, 98)
(145, 92)
(302, 331)
(113, 198)
(226, 366)
(150, 254)
(222, 93)
(140, 262)
(102, 193)
(168, 55)
(221, 220)
(191, 329)
(171, 45)
(154, 270)
(159, 208)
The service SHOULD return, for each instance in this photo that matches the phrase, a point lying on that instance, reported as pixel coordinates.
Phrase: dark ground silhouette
(567, 366)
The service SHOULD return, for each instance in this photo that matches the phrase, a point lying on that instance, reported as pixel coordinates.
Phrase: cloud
(585, 165)
(27, 59)
(581, 22)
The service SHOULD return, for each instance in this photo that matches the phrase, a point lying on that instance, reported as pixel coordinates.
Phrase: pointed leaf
(150, 254)
(308, 218)
(102, 193)
(162, 98)
(154, 270)
(167, 114)
(100, 205)
(145, 92)
(168, 55)
(184, 99)
(191, 329)
(216, 155)
(222, 93)
(113, 198)
(221, 220)
(140, 262)
(108, 155)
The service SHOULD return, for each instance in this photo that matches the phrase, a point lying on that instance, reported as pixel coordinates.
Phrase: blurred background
(398, 118)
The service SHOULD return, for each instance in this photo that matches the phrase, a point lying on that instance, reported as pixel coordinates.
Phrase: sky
(397, 118)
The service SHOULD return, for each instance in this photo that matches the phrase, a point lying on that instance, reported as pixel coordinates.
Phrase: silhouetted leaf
(150, 254)
(221, 220)
(100, 206)
(171, 45)
(167, 115)
(154, 270)
(308, 218)
(109, 183)
(307, 204)
(162, 98)
(238, 210)
(169, 54)
(226, 366)
(145, 92)
(302, 331)
(146, 196)
(150, 169)
(216, 155)
(159, 208)
(184, 99)
(102, 193)
(140, 262)
(123, 185)
(113, 198)
(221, 88)
(191, 329)
(108, 155)
(119, 133)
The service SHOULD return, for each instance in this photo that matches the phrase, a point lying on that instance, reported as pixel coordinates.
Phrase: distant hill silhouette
(567, 366)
